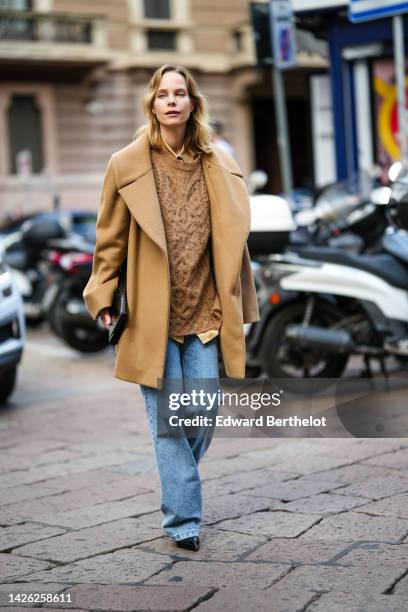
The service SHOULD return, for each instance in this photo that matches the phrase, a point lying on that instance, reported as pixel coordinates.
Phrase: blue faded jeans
(178, 455)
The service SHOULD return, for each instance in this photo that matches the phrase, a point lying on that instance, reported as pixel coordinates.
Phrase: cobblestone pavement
(291, 525)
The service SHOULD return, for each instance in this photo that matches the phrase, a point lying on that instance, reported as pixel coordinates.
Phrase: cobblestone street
(294, 525)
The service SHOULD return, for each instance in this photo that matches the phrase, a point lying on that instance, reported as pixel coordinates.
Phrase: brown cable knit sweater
(194, 305)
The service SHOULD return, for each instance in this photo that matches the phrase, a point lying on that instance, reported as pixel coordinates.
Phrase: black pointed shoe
(189, 543)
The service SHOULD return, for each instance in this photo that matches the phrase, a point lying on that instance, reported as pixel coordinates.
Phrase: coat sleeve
(250, 308)
(112, 232)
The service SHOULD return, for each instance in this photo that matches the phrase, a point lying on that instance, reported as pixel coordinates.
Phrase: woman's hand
(105, 317)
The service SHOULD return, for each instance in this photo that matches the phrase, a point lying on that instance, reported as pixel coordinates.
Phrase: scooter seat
(383, 265)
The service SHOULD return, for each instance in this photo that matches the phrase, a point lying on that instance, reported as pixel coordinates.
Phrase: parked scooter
(321, 305)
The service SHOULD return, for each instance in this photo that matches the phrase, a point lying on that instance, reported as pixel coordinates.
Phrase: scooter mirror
(394, 171)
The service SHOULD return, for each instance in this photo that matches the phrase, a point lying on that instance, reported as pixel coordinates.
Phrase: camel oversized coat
(130, 223)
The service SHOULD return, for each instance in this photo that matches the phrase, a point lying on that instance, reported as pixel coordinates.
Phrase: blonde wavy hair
(198, 129)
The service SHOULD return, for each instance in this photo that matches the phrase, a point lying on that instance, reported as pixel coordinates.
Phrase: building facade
(73, 74)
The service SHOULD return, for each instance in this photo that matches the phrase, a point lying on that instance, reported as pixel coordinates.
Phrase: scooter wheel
(280, 359)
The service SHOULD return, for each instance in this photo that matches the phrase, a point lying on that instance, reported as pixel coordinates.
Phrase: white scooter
(328, 304)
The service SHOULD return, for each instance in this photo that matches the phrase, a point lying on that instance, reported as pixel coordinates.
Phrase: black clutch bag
(119, 308)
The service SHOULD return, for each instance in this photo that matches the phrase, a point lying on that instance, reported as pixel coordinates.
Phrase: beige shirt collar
(182, 155)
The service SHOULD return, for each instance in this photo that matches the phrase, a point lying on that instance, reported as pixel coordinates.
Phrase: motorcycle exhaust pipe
(336, 341)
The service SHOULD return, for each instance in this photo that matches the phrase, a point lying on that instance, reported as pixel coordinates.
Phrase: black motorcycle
(63, 302)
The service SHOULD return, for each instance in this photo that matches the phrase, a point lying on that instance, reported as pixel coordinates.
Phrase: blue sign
(283, 34)
(363, 10)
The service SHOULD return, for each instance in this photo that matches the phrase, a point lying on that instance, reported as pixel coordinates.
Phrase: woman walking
(178, 209)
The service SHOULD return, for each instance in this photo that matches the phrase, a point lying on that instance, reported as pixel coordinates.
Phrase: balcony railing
(46, 27)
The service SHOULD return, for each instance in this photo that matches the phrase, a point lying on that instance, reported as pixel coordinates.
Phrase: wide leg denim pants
(178, 456)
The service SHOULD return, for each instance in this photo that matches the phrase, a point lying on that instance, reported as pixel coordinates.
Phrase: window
(25, 131)
(157, 9)
(237, 36)
(161, 39)
(16, 5)
(15, 27)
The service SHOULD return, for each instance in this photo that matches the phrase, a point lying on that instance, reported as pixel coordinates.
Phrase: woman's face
(172, 105)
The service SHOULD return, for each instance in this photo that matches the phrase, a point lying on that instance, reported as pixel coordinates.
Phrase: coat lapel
(141, 198)
(138, 189)
(229, 206)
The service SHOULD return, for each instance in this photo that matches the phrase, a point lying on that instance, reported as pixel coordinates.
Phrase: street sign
(283, 34)
(363, 10)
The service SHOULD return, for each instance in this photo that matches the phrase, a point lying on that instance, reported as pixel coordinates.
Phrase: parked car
(12, 331)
